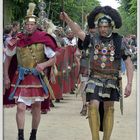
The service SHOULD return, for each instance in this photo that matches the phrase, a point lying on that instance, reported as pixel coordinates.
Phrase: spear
(62, 5)
(62, 10)
(48, 12)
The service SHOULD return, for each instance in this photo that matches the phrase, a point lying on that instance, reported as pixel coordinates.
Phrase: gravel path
(64, 122)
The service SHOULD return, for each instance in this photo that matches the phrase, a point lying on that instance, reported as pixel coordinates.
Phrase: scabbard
(121, 95)
(11, 96)
(45, 79)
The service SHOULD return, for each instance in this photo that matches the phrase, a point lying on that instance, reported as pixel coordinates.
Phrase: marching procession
(44, 64)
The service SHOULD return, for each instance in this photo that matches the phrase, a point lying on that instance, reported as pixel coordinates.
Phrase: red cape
(37, 37)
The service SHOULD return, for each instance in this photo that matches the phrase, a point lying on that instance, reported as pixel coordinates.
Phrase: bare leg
(36, 115)
(83, 95)
(108, 104)
(94, 103)
(20, 115)
(20, 118)
(36, 108)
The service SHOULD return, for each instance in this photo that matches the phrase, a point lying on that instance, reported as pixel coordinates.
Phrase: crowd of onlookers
(132, 44)
(10, 31)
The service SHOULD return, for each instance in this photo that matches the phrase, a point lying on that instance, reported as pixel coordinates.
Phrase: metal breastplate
(29, 56)
(103, 62)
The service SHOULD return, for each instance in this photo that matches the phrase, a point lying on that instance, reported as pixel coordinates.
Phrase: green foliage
(17, 9)
(77, 9)
(128, 11)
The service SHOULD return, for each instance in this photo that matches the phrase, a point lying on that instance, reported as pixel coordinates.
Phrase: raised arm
(74, 27)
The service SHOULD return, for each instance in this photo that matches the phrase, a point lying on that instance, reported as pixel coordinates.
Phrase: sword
(62, 10)
(62, 4)
(121, 95)
(78, 89)
(48, 84)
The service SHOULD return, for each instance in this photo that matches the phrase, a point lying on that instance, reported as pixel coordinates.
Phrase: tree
(75, 8)
(15, 10)
(128, 11)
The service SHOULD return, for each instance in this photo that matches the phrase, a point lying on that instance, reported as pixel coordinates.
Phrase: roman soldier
(106, 50)
(35, 51)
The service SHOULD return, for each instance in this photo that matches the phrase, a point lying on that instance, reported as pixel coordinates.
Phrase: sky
(112, 3)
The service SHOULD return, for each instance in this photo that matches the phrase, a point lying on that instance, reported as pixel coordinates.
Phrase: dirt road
(65, 123)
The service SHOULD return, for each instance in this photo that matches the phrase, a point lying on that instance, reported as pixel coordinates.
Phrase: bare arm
(74, 27)
(129, 73)
(40, 67)
(6, 75)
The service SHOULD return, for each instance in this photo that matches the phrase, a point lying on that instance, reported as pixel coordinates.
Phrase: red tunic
(23, 41)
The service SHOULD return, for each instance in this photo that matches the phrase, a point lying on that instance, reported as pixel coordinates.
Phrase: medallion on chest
(104, 53)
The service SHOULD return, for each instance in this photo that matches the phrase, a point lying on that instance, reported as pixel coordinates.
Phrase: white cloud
(112, 3)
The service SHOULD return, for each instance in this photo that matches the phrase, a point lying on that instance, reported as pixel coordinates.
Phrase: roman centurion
(107, 48)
